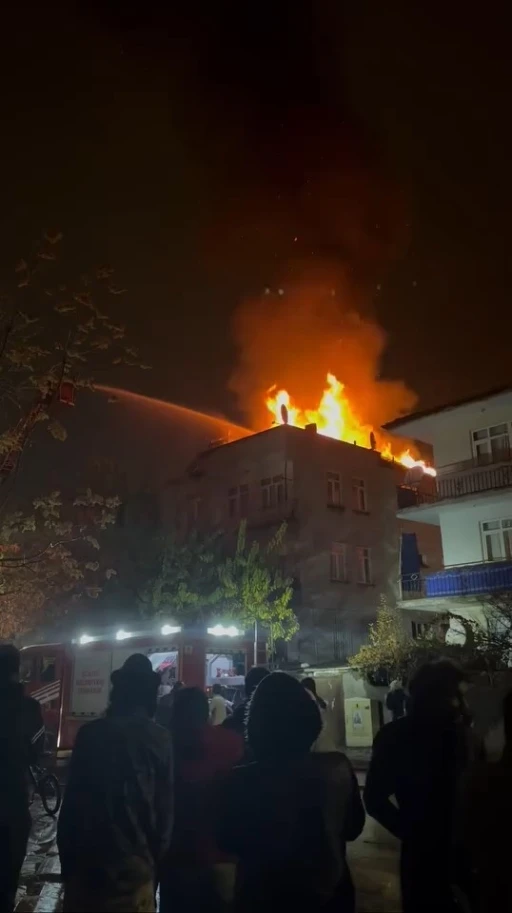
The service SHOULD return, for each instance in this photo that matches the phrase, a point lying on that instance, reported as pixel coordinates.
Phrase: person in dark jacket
(195, 874)
(21, 739)
(287, 816)
(487, 800)
(419, 760)
(310, 685)
(116, 818)
(396, 700)
(236, 720)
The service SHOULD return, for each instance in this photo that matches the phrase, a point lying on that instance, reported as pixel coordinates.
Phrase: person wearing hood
(116, 818)
(287, 816)
(21, 740)
(419, 761)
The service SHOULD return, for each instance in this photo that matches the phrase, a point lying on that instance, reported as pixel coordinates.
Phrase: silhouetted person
(325, 741)
(195, 874)
(164, 706)
(288, 815)
(419, 760)
(21, 740)
(218, 705)
(396, 700)
(236, 720)
(116, 818)
(486, 813)
(310, 685)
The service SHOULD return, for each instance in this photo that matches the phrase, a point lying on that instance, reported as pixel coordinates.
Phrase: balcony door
(497, 540)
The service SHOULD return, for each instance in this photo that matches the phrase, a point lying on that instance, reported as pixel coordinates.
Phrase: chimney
(311, 428)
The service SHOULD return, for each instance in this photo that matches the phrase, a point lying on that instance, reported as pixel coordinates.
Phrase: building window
(339, 562)
(273, 492)
(419, 629)
(497, 539)
(359, 496)
(490, 445)
(238, 501)
(333, 489)
(364, 565)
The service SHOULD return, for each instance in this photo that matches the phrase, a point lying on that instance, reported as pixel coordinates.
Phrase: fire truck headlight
(221, 631)
(122, 635)
(170, 629)
(86, 639)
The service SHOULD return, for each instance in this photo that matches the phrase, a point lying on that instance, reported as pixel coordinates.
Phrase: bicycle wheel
(50, 792)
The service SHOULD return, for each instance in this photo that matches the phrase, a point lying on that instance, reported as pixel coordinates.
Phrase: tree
(54, 336)
(392, 653)
(254, 587)
(201, 578)
(180, 578)
(387, 654)
(49, 557)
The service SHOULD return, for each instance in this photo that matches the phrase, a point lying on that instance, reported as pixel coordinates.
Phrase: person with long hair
(116, 818)
(196, 874)
(288, 814)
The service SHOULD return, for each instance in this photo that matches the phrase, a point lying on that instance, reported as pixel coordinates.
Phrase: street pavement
(373, 862)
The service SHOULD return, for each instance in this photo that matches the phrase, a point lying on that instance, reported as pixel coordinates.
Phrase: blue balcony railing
(463, 580)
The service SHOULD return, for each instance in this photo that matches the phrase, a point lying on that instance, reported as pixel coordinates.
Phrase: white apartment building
(470, 501)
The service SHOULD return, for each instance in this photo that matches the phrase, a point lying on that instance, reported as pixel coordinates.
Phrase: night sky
(190, 147)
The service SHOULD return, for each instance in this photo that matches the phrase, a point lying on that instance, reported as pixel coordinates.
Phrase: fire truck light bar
(170, 629)
(123, 635)
(221, 631)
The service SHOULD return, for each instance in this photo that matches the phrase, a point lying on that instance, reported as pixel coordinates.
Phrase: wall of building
(461, 530)
(334, 615)
(452, 432)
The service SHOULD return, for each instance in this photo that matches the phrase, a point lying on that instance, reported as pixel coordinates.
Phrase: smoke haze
(293, 334)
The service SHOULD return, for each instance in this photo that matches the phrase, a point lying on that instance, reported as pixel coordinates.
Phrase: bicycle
(48, 787)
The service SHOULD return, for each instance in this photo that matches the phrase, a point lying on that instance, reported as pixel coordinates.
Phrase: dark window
(333, 489)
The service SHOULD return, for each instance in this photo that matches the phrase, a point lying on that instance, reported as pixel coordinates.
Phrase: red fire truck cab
(72, 680)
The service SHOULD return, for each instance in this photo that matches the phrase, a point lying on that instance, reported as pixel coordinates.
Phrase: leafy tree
(180, 578)
(201, 578)
(254, 587)
(49, 558)
(55, 336)
(392, 653)
(387, 654)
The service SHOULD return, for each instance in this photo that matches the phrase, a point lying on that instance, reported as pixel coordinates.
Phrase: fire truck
(71, 680)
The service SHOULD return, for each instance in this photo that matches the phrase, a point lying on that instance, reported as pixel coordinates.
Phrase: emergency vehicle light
(221, 631)
(123, 635)
(86, 639)
(170, 629)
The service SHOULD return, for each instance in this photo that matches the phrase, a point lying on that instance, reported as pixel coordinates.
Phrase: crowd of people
(252, 811)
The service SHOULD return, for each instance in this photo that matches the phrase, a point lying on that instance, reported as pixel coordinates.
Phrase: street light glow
(170, 629)
(123, 635)
(221, 631)
(86, 639)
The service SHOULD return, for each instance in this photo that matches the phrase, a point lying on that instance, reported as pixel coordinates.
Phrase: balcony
(453, 485)
(274, 515)
(462, 580)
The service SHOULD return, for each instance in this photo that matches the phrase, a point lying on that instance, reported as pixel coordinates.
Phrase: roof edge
(416, 416)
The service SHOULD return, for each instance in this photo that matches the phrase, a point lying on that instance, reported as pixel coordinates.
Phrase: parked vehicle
(72, 680)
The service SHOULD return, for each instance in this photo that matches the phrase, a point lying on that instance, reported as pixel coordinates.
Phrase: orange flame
(335, 417)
